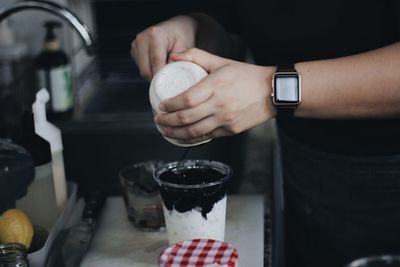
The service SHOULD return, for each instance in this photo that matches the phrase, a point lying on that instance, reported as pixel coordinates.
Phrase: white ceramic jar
(172, 80)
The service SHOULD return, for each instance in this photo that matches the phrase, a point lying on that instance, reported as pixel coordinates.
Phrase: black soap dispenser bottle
(54, 74)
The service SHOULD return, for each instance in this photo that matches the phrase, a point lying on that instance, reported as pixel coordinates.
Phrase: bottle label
(59, 83)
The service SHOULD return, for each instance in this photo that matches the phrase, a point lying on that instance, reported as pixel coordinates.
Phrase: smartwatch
(286, 90)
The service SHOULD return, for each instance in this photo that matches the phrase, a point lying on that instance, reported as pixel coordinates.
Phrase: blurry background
(112, 125)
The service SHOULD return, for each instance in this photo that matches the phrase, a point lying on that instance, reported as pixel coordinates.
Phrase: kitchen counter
(118, 243)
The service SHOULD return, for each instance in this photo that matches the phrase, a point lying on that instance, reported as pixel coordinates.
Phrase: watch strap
(286, 68)
(285, 112)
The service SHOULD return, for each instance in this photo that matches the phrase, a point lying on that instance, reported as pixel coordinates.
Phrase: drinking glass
(194, 198)
(141, 195)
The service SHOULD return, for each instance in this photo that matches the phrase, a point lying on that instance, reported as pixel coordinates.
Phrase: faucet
(57, 10)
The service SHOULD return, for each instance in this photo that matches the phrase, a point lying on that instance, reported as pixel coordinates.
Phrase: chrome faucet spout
(57, 10)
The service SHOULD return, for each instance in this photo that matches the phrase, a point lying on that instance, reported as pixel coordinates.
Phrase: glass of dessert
(194, 198)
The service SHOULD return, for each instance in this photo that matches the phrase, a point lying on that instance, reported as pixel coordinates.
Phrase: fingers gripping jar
(172, 80)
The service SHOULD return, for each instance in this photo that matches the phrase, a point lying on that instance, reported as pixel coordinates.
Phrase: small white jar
(172, 80)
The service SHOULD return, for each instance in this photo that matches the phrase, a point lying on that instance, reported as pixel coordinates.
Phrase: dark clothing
(341, 177)
(279, 31)
(338, 208)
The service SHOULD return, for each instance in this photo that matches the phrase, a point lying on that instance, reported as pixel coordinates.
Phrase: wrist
(269, 72)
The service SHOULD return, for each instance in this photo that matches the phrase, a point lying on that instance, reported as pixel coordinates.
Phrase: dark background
(117, 127)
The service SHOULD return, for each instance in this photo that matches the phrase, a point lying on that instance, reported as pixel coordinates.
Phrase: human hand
(151, 48)
(234, 97)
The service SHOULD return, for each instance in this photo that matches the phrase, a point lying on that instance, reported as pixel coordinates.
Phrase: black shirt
(279, 31)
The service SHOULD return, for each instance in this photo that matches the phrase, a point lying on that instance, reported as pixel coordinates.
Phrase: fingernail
(162, 107)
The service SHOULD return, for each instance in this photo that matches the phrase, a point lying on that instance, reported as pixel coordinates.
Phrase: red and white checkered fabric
(199, 253)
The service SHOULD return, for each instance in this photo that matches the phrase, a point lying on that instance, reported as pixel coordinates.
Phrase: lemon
(16, 227)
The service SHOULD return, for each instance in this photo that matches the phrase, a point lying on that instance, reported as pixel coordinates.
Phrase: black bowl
(16, 173)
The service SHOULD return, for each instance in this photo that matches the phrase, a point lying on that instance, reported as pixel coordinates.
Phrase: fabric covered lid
(199, 253)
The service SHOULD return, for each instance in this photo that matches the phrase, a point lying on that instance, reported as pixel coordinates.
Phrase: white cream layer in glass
(191, 224)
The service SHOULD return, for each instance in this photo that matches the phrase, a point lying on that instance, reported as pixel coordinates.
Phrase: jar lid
(199, 252)
(13, 254)
(173, 79)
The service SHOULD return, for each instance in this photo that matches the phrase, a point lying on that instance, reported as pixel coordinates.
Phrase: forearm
(214, 38)
(366, 85)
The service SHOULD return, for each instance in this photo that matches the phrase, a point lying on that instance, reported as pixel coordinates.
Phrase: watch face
(286, 89)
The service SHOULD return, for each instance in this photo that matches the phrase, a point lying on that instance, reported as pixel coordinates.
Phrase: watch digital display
(286, 88)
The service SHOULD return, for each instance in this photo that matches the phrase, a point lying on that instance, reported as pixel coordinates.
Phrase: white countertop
(118, 243)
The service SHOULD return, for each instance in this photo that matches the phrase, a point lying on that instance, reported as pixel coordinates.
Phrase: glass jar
(13, 255)
(194, 198)
(141, 196)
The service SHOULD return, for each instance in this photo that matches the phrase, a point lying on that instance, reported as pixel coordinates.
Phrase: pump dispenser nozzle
(42, 127)
(50, 26)
(51, 134)
(39, 106)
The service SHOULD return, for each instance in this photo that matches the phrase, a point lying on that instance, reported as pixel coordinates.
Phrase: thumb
(208, 61)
